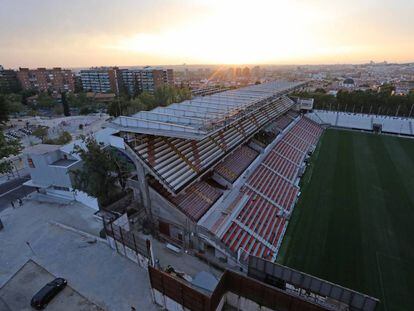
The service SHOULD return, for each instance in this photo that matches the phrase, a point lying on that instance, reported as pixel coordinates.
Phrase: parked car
(47, 293)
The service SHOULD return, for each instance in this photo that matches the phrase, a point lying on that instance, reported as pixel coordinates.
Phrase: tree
(63, 139)
(7, 149)
(4, 109)
(65, 105)
(147, 100)
(10, 104)
(41, 132)
(166, 95)
(101, 173)
(25, 94)
(163, 96)
(58, 110)
(86, 110)
(45, 101)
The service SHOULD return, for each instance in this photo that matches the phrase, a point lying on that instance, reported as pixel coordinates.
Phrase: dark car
(46, 294)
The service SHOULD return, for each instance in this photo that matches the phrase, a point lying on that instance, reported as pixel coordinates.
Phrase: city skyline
(95, 33)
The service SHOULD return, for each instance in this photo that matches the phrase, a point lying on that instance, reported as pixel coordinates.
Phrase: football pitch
(354, 222)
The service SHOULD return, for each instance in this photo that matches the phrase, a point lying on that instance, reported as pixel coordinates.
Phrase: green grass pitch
(354, 222)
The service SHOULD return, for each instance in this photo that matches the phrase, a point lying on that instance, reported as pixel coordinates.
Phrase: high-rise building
(42, 79)
(147, 79)
(246, 72)
(101, 79)
(8, 81)
(238, 72)
(131, 81)
(153, 78)
(256, 71)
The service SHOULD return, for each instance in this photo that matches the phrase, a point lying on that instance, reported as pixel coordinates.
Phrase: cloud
(128, 32)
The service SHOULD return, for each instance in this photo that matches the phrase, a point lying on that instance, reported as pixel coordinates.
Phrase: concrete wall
(74, 195)
(389, 124)
(128, 253)
(241, 303)
(164, 209)
(85, 199)
(166, 303)
(231, 299)
(43, 173)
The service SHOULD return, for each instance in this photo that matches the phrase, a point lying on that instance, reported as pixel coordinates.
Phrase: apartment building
(101, 79)
(131, 81)
(153, 78)
(147, 79)
(42, 79)
(8, 81)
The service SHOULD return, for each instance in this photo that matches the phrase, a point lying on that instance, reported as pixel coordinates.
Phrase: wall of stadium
(393, 125)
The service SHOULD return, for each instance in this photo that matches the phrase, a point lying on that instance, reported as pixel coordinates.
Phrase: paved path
(92, 268)
(13, 190)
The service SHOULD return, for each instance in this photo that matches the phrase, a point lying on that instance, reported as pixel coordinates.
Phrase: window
(31, 164)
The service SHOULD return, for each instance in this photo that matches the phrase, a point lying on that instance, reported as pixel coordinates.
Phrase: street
(13, 190)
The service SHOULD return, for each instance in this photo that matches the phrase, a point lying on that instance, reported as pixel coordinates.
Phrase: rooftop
(64, 162)
(176, 162)
(41, 149)
(202, 116)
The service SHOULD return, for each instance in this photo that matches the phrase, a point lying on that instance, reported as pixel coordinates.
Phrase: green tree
(65, 104)
(4, 109)
(147, 100)
(45, 101)
(79, 100)
(63, 139)
(7, 149)
(41, 132)
(87, 110)
(58, 110)
(163, 96)
(32, 113)
(101, 175)
(25, 94)
(167, 95)
(10, 104)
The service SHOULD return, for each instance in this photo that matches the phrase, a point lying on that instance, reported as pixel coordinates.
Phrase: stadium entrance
(377, 128)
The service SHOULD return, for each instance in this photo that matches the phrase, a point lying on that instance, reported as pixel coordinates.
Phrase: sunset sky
(81, 33)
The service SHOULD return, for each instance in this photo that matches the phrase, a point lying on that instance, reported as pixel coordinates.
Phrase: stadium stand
(259, 226)
(176, 162)
(269, 185)
(195, 201)
(229, 162)
(283, 166)
(283, 122)
(293, 114)
(235, 164)
(394, 125)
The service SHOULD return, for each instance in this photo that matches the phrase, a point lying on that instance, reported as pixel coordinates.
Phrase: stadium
(253, 172)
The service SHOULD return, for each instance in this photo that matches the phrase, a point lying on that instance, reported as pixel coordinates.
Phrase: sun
(236, 33)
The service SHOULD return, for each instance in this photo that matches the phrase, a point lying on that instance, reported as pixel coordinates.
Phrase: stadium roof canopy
(178, 162)
(203, 116)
